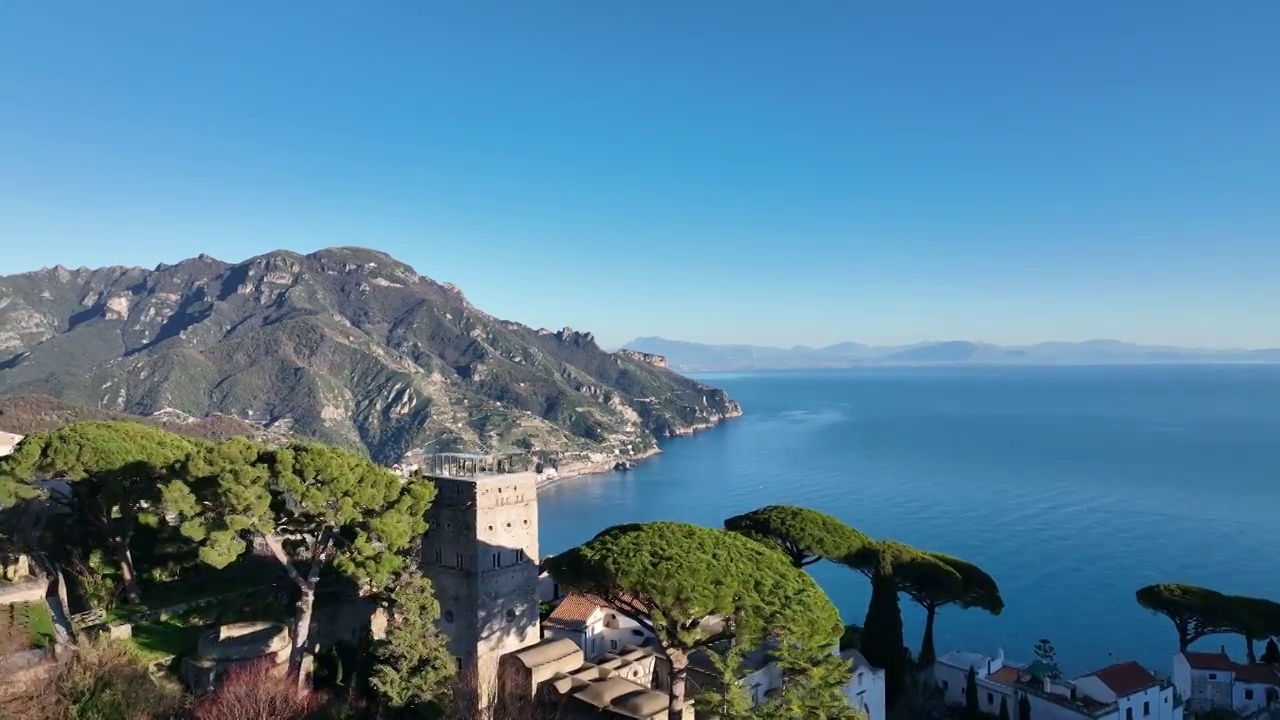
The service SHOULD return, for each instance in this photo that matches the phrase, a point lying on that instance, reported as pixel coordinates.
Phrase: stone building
(481, 554)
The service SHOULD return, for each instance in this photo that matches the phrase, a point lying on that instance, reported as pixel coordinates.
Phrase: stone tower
(481, 554)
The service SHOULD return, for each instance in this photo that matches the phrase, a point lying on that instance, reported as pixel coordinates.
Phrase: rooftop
(1258, 673)
(1210, 661)
(1126, 678)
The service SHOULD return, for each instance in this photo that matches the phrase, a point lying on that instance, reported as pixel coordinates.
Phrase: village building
(865, 690)
(594, 625)
(1123, 691)
(480, 554)
(1213, 681)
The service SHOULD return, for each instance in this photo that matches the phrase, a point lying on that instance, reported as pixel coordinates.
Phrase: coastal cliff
(345, 345)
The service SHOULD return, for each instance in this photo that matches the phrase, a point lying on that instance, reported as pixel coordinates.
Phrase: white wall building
(1124, 691)
(865, 690)
(1213, 680)
(593, 625)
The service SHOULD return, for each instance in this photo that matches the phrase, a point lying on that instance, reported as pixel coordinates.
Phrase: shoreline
(606, 465)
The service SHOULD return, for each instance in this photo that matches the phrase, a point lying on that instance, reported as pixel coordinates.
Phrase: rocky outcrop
(346, 345)
(649, 358)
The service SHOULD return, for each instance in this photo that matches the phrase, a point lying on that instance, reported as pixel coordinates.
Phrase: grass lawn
(164, 638)
(212, 584)
(26, 625)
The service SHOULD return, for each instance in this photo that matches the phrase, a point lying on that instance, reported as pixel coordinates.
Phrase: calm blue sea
(1071, 486)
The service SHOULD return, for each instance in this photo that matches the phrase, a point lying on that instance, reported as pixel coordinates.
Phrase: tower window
(511, 615)
(497, 559)
(439, 556)
(459, 561)
(519, 556)
(508, 526)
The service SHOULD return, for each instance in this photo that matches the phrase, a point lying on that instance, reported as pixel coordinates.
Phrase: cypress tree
(1271, 655)
(971, 709)
(1004, 708)
(1024, 708)
(882, 642)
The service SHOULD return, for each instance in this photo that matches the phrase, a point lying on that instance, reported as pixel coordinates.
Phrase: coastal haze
(1071, 486)
(692, 356)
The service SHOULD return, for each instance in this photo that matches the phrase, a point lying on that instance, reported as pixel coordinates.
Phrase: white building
(594, 625)
(865, 690)
(8, 441)
(1124, 691)
(1213, 680)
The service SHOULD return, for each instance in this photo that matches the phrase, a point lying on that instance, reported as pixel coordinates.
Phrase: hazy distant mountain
(688, 356)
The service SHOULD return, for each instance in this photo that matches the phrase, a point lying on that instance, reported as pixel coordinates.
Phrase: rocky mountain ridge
(347, 345)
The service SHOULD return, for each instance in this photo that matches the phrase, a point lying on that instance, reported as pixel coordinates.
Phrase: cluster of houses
(604, 636)
(1202, 683)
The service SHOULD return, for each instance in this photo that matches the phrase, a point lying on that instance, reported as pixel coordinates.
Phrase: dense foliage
(313, 503)
(413, 661)
(691, 586)
(115, 471)
(1197, 612)
(806, 536)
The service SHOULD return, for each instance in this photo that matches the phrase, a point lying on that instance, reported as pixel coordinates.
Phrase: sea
(1071, 486)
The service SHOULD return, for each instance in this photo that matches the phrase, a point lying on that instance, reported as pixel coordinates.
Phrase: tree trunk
(1248, 649)
(927, 652)
(301, 628)
(679, 674)
(125, 560)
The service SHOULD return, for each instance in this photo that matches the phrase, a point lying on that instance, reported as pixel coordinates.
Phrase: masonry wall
(480, 552)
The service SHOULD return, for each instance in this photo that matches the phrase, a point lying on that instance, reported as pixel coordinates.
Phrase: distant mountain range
(688, 356)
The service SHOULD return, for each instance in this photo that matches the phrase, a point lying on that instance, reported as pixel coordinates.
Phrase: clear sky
(765, 172)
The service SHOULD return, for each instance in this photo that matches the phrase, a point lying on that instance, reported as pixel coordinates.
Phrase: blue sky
(762, 172)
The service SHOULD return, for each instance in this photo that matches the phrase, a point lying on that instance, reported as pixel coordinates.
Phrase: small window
(448, 527)
(1128, 713)
(508, 526)
(945, 685)
(1248, 694)
(511, 615)
(520, 556)
(1146, 708)
(1213, 676)
(458, 563)
(525, 522)
(490, 528)
(439, 556)
(613, 644)
(991, 699)
(448, 616)
(497, 560)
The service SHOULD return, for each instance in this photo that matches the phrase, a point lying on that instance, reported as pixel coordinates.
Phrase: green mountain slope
(346, 345)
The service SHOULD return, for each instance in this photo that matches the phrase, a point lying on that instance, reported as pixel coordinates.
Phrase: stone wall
(30, 591)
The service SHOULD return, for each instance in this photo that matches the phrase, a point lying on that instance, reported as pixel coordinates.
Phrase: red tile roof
(576, 608)
(1209, 661)
(1260, 674)
(1126, 678)
(1004, 676)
